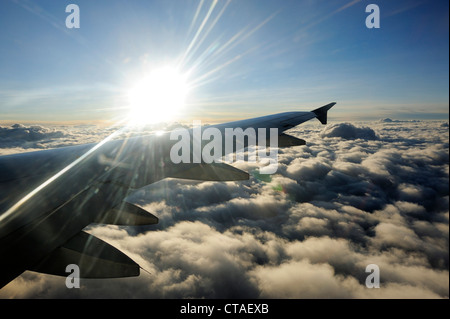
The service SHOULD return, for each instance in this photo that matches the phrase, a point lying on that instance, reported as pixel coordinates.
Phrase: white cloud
(349, 131)
(356, 194)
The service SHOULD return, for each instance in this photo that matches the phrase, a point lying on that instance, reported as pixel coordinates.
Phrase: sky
(242, 58)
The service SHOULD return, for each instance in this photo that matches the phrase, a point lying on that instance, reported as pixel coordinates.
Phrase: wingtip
(321, 112)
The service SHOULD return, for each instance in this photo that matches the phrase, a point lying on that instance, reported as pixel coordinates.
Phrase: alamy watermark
(373, 19)
(73, 19)
(373, 280)
(211, 144)
(73, 279)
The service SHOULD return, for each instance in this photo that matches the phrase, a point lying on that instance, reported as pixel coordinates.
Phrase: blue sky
(249, 58)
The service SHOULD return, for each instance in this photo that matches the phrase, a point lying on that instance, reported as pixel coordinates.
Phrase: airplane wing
(48, 197)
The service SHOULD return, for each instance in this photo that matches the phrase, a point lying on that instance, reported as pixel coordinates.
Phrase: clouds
(18, 138)
(20, 132)
(349, 131)
(34, 136)
(336, 205)
(26, 138)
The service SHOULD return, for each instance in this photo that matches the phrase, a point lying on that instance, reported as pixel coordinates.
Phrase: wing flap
(285, 140)
(127, 214)
(209, 172)
(94, 257)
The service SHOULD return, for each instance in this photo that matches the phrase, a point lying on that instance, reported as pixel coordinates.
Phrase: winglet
(321, 112)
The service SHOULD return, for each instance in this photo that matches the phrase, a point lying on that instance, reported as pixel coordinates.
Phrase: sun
(158, 97)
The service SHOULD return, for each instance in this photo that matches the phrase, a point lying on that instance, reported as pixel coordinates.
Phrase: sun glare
(158, 97)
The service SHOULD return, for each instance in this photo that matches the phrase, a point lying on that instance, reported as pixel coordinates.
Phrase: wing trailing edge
(220, 172)
(94, 257)
(127, 214)
(285, 140)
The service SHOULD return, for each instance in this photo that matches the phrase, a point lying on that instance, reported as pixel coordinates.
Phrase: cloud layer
(356, 194)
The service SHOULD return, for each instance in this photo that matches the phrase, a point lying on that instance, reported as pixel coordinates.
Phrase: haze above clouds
(356, 194)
